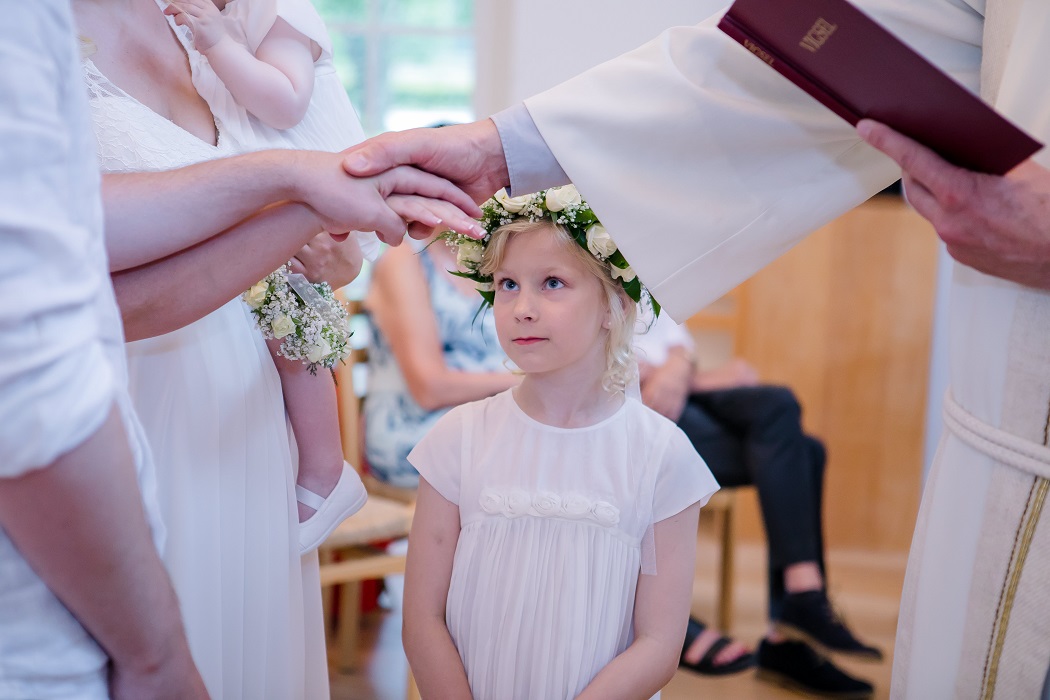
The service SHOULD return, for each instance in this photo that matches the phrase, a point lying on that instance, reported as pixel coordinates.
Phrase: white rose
(511, 204)
(599, 242)
(626, 273)
(319, 351)
(485, 286)
(492, 501)
(559, 198)
(282, 326)
(255, 296)
(606, 513)
(468, 256)
(518, 503)
(575, 506)
(545, 503)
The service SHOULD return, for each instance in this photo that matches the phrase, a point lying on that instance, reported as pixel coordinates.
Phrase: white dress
(554, 523)
(210, 400)
(330, 123)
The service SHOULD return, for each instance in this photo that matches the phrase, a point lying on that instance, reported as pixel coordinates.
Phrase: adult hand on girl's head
(203, 19)
(384, 203)
(325, 259)
(469, 155)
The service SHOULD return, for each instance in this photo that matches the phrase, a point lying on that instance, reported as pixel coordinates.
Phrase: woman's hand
(733, 374)
(666, 387)
(328, 260)
(203, 19)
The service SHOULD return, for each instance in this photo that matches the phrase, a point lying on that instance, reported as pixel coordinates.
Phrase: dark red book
(859, 70)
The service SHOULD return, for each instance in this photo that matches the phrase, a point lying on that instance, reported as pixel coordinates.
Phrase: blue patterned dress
(394, 422)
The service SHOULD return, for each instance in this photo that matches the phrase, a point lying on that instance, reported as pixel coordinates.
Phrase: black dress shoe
(808, 617)
(796, 666)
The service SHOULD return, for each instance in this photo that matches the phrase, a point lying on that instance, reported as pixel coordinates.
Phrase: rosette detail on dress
(514, 503)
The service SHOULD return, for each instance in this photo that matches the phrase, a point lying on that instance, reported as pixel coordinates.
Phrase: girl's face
(550, 309)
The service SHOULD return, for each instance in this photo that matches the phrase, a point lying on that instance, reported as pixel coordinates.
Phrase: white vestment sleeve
(705, 165)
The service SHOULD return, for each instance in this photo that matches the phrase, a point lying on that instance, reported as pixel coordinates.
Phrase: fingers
(408, 180)
(430, 213)
(297, 266)
(937, 175)
(384, 152)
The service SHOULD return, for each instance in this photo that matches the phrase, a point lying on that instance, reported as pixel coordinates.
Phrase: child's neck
(566, 404)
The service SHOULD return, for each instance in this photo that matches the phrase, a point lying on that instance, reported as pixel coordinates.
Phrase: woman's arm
(396, 304)
(661, 610)
(436, 664)
(170, 293)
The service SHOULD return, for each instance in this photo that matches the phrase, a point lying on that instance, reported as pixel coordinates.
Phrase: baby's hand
(202, 17)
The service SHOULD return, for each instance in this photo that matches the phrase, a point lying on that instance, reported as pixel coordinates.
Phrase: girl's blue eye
(553, 283)
(508, 285)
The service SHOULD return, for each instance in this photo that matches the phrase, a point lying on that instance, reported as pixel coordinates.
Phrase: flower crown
(560, 205)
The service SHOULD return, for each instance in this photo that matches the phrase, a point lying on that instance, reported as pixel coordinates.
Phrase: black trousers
(753, 436)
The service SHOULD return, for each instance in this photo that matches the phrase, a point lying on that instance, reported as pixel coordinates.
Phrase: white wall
(527, 46)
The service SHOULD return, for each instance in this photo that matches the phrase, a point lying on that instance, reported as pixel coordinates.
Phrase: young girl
(552, 550)
(265, 68)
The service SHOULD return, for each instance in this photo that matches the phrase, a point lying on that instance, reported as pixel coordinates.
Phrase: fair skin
(265, 205)
(552, 320)
(79, 523)
(998, 225)
(396, 303)
(275, 84)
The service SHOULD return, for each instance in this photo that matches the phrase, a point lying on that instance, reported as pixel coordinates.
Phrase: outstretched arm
(661, 610)
(998, 225)
(435, 662)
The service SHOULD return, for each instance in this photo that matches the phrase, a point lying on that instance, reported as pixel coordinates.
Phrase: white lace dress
(555, 531)
(210, 401)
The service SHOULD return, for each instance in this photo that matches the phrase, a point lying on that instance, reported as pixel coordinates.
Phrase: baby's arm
(275, 84)
(661, 609)
(435, 662)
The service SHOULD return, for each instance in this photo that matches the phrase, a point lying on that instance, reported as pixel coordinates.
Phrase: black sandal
(706, 666)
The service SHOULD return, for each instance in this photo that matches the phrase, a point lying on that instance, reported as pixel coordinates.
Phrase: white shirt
(61, 340)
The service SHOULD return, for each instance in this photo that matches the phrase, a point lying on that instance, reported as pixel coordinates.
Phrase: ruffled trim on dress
(514, 503)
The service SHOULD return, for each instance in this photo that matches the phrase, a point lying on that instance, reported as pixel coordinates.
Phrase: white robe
(691, 142)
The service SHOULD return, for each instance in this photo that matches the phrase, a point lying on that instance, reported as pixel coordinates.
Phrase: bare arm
(400, 306)
(661, 610)
(79, 523)
(435, 662)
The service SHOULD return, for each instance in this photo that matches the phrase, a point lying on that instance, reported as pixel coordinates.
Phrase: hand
(998, 225)
(382, 203)
(469, 155)
(325, 259)
(666, 388)
(203, 19)
(732, 375)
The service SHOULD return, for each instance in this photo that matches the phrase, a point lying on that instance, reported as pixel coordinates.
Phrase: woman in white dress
(210, 400)
(206, 389)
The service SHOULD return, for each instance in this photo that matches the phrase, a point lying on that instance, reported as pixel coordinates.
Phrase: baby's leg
(328, 489)
(313, 411)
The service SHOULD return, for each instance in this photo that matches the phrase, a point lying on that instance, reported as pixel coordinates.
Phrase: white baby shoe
(346, 498)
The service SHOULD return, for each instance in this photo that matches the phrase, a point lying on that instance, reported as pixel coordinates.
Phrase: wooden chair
(350, 555)
(724, 319)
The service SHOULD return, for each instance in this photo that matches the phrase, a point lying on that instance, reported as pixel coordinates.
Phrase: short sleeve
(683, 478)
(438, 457)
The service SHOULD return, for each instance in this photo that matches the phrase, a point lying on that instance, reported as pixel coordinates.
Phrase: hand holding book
(859, 70)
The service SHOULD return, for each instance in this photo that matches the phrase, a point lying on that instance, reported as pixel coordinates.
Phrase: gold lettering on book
(758, 51)
(817, 35)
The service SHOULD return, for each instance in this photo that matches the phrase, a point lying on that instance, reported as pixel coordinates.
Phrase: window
(405, 63)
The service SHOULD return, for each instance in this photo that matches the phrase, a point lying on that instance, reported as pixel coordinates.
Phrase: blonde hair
(620, 368)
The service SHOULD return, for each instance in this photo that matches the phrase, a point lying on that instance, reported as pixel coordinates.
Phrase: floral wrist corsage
(307, 318)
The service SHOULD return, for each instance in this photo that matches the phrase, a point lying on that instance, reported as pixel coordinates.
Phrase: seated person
(751, 434)
(430, 351)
